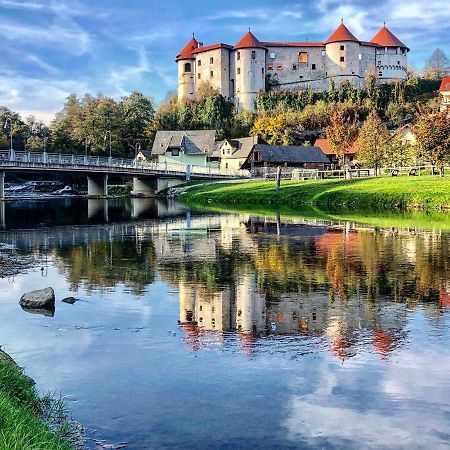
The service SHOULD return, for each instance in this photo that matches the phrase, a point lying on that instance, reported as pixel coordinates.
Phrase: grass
(26, 420)
(426, 193)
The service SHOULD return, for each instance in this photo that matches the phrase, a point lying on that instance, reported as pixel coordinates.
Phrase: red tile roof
(445, 85)
(293, 44)
(249, 41)
(211, 47)
(325, 146)
(342, 34)
(386, 38)
(186, 53)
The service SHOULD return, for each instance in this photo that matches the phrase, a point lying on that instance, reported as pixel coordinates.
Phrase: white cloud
(20, 5)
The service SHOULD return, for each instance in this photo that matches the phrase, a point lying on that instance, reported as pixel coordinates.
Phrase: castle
(239, 72)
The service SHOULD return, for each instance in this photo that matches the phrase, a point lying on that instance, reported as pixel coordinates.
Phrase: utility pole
(11, 150)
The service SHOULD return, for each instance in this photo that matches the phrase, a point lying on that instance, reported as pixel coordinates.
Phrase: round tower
(391, 56)
(249, 71)
(343, 56)
(186, 71)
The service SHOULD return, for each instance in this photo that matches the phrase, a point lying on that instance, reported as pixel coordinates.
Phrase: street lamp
(87, 142)
(137, 149)
(10, 134)
(108, 132)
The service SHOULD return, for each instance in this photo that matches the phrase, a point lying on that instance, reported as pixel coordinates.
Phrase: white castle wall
(186, 80)
(217, 72)
(391, 64)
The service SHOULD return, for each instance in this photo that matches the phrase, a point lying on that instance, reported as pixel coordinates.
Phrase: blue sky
(50, 48)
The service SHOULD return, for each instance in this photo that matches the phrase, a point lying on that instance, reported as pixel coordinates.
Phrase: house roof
(186, 53)
(445, 85)
(342, 34)
(290, 154)
(293, 44)
(325, 146)
(207, 48)
(242, 147)
(386, 38)
(192, 141)
(249, 41)
(145, 153)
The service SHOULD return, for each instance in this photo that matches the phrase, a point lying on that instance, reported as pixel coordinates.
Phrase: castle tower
(343, 56)
(391, 57)
(186, 71)
(249, 71)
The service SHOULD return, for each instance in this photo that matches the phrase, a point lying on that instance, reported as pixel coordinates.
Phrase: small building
(349, 155)
(234, 152)
(193, 147)
(444, 91)
(264, 155)
(144, 156)
(405, 134)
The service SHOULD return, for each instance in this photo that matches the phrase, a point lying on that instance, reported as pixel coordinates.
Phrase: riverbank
(427, 193)
(22, 410)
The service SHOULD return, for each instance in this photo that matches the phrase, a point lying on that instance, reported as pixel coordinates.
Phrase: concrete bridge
(148, 178)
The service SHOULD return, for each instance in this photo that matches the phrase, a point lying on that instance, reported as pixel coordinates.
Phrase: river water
(200, 330)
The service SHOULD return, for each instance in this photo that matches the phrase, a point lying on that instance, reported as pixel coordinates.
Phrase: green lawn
(427, 193)
(21, 426)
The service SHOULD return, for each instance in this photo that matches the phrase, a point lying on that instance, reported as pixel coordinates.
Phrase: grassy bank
(21, 411)
(427, 193)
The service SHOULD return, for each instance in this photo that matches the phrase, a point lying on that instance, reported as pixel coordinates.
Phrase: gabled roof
(211, 47)
(445, 85)
(186, 53)
(242, 147)
(386, 38)
(290, 154)
(146, 153)
(249, 41)
(342, 34)
(325, 146)
(192, 141)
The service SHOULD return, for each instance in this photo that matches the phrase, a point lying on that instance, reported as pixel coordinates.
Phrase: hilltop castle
(239, 72)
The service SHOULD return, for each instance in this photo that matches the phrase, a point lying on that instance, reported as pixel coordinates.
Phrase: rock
(69, 300)
(41, 299)
(47, 312)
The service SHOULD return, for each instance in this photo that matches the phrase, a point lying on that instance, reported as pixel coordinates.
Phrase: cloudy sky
(50, 48)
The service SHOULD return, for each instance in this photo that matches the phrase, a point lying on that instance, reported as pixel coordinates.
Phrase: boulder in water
(69, 300)
(40, 299)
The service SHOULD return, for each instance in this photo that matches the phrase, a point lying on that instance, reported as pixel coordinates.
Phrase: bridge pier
(2, 185)
(98, 210)
(165, 183)
(144, 186)
(141, 207)
(2, 215)
(97, 185)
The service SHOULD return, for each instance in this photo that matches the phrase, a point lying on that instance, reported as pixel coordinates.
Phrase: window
(303, 58)
(211, 74)
(272, 55)
(175, 152)
(239, 71)
(342, 47)
(199, 62)
(360, 56)
(294, 67)
(262, 71)
(380, 74)
(238, 56)
(270, 67)
(398, 62)
(342, 59)
(211, 60)
(313, 66)
(323, 52)
(379, 63)
(280, 67)
(253, 54)
(187, 67)
(199, 76)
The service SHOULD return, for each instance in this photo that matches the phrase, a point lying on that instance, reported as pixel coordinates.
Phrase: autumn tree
(432, 131)
(399, 153)
(437, 66)
(372, 142)
(341, 132)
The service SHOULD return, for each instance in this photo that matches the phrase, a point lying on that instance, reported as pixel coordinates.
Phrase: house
(144, 156)
(264, 155)
(234, 152)
(193, 147)
(444, 91)
(349, 154)
(406, 135)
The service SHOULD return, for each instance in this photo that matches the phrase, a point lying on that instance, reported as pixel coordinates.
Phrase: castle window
(303, 58)
(211, 60)
(238, 56)
(313, 67)
(380, 74)
(211, 74)
(323, 53)
(270, 67)
(187, 67)
(379, 63)
(239, 70)
(199, 76)
(398, 62)
(360, 56)
(342, 58)
(199, 63)
(262, 71)
(253, 54)
(294, 67)
(272, 55)
(280, 67)
(342, 47)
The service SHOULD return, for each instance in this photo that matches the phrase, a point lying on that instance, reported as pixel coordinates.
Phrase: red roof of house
(186, 53)
(445, 85)
(249, 41)
(386, 38)
(211, 47)
(325, 146)
(342, 34)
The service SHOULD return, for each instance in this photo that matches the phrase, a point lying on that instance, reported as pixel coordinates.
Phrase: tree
(398, 153)
(437, 66)
(341, 132)
(433, 137)
(373, 141)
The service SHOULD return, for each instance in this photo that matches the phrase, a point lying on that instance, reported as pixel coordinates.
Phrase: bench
(394, 173)
(412, 172)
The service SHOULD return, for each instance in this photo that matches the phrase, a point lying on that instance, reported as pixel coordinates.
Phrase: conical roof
(386, 38)
(342, 34)
(249, 41)
(186, 53)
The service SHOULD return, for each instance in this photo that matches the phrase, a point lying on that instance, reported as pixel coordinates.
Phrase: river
(204, 330)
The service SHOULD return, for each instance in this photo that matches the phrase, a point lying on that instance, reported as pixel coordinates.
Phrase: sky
(51, 48)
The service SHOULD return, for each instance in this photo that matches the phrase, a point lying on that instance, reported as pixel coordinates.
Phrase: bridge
(148, 177)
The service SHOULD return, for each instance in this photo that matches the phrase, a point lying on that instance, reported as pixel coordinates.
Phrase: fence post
(278, 178)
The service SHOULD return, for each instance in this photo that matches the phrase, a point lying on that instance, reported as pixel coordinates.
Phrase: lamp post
(108, 132)
(11, 151)
(137, 149)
